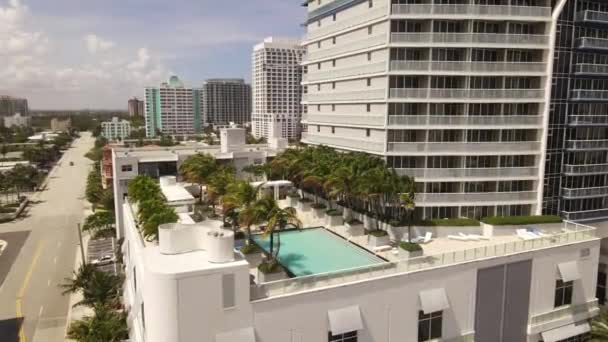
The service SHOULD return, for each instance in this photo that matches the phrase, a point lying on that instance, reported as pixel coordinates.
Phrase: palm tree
(79, 280)
(599, 328)
(340, 184)
(99, 223)
(218, 184)
(162, 215)
(242, 195)
(278, 218)
(105, 325)
(101, 289)
(407, 203)
(143, 187)
(199, 169)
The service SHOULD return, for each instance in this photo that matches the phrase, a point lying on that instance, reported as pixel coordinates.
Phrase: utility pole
(84, 261)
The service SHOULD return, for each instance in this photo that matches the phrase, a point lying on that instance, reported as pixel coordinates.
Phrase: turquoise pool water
(313, 251)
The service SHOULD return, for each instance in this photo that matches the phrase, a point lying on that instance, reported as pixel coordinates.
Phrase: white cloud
(97, 44)
(143, 57)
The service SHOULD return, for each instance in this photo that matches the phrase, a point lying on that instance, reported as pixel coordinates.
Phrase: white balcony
(467, 94)
(570, 313)
(593, 17)
(466, 11)
(591, 69)
(585, 192)
(358, 120)
(590, 169)
(592, 43)
(465, 148)
(588, 120)
(453, 120)
(435, 174)
(348, 96)
(345, 72)
(587, 145)
(344, 48)
(348, 23)
(345, 143)
(469, 39)
(466, 67)
(589, 95)
(586, 215)
(482, 198)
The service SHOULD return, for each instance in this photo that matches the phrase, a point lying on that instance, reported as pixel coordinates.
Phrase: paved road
(30, 289)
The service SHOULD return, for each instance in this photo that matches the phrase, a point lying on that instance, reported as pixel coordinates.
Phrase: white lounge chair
(382, 248)
(457, 237)
(525, 235)
(428, 237)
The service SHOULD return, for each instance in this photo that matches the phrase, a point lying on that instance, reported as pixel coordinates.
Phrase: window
(563, 293)
(346, 337)
(429, 326)
(333, 107)
(370, 30)
(319, 44)
(333, 85)
(333, 40)
(369, 82)
(318, 128)
(369, 107)
(143, 316)
(228, 291)
(371, 3)
(601, 286)
(318, 66)
(333, 63)
(318, 108)
(334, 17)
(126, 168)
(333, 130)
(369, 56)
(367, 132)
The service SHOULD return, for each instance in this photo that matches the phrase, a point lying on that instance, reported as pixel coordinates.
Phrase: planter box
(268, 277)
(334, 221)
(304, 206)
(377, 241)
(403, 254)
(355, 229)
(369, 223)
(318, 213)
(347, 213)
(292, 201)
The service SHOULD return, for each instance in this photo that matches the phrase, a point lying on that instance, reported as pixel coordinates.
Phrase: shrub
(269, 267)
(333, 212)
(239, 235)
(250, 249)
(520, 220)
(410, 246)
(456, 222)
(318, 206)
(378, 233)
(354, 222)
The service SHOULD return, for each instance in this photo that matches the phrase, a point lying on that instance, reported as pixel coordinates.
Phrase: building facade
(116, 129)
(226, 101)
(61, 125)
(17, 120)
(576, 179)
(136, 107)
(172, 109)
(276, 86)
(455, 95)
(10, 106)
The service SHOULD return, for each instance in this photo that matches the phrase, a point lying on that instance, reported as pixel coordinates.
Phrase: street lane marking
(48, 283)
(26, 281)
(55, 260)
(40, 312)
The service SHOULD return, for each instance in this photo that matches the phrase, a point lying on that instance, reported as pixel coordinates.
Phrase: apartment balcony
(347, 120)
(418, 39)
(570, 193)
(588, 120)
(345, 72)
(563, 315)
(586, 215)
(592, 17)
(591, 169)
(589, 95)
(345, 143)
(465, 148)
(591, 69)
(588, 43)
(481, 198)
(435, 174)
(466, 67)
(587, 145)
(362, 44)
(495, 121)
(468, 11)
(348, 96)
(345, 24)
(465, 94)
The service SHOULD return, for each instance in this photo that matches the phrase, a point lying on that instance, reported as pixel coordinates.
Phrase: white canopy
(240, 335)
(569, 271)
(345, 320)
(434, 300)
(565, 332)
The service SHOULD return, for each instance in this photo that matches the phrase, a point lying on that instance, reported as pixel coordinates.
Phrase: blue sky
(69, 54)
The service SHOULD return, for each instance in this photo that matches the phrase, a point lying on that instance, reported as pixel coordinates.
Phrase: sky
(96, 54)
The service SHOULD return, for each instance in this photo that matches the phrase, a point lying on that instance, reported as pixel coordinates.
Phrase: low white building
(43, 136)
(116, 129)
(176, 195)
(17, 120)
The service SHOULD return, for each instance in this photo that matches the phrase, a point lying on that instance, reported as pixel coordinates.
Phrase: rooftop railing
(466, 197)
(489, 39)
(587, 144)
(574, 233)
(467, 93)
(585, 192)
(430, 10)
(468, 67)
(490, 173)
(563, 312)
(344, 142)
(588, 120)
(346, 48)
(357, 96)
(363, 120)
(457, 120)
(585, 169)
(472, 148)
(343, 24)
(345, 72)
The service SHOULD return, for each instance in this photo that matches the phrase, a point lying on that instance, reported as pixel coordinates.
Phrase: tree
(101, 289)
(161, 216)
(99, 223)
(105, 325)
(242, 195)
(407, 203)
(94, 190)
(599, 328)
(218, 184)
(23, 177)
(79, 280)
(107, 199)
(278, 218)
(199, 169)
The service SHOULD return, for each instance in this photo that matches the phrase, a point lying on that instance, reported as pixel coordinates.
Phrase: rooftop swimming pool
(313, 251)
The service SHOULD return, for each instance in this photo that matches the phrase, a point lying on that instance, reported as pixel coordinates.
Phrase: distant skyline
(74, 54)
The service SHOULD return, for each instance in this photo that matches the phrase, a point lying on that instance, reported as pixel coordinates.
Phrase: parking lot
(99, 248)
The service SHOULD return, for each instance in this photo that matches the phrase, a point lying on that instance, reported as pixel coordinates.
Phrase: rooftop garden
(152, 209)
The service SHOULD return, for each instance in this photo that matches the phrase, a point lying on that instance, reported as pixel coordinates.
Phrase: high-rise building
(455, 95)
(61, 124)
(116, 129)
(576, 177)
(10, 106)
(172, 109)
(225, 101)
(277, 89)
(17, 120)
(136, 107)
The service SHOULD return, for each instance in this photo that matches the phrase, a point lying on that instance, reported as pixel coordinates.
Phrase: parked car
(104, 260)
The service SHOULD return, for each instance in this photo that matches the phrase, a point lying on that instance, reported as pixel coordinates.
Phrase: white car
(104, 260)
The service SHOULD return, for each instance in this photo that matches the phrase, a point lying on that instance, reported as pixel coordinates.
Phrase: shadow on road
(15, 241)
(9, 329)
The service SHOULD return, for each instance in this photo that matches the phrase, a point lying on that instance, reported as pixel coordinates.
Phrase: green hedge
(378, 233)
(521, 220)
(456, 222)
(318, 206)
(410, 247)
(267, 267)
(333, 212)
